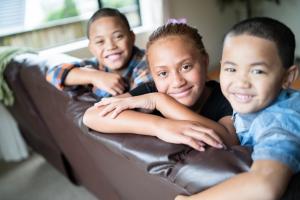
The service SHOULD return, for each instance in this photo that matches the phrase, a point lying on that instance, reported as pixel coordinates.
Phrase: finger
(192, 143)
(103, 102)
(123, 82)
(208, 131)
(108, 109)
(180, 197)
(202, 144)
(111, 91)
(201, 136)
(119, 88)
(117, 111)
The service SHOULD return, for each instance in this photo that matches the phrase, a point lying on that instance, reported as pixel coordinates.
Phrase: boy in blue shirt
(257, 68)
(118, 65)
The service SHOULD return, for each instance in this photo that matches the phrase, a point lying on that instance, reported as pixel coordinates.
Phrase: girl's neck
(197, 107)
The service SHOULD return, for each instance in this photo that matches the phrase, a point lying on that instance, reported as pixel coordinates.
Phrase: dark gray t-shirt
(215, 107)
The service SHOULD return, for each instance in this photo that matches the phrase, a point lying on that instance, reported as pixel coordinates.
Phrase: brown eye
(257, 71)
(100, 42)
(119, 36)
(186, 67)
(229, 69)
(162, 74)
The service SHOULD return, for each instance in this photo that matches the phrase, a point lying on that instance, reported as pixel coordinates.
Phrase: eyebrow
(252, 64)
(259, 63)
(229, 63)
(178, 63)
(116, 31)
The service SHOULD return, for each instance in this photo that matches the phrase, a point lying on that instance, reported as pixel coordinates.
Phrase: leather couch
(111, 166)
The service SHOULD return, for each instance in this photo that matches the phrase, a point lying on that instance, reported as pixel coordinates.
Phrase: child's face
(251, 72)
(178, 68)
(111, 42)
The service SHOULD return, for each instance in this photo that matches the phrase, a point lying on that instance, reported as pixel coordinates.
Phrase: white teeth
(243, 97)
(114, 56)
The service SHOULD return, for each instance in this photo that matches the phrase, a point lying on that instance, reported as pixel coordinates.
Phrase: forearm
(171, 109)
(80, 76)
(264, 181)
(128, 121)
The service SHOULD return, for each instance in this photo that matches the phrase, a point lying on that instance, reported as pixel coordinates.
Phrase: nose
(178, 80)
(110, 44)
(242, 80)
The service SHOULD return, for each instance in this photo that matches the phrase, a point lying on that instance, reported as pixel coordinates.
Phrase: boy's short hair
(270, 29)
(107, 12)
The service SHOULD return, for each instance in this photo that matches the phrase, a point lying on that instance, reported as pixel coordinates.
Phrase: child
(118, 65)
(256, 72)
(178, 63)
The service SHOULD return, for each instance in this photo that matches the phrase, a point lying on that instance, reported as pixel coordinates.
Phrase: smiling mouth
(242, 98)
(114, 56)
(182, 93)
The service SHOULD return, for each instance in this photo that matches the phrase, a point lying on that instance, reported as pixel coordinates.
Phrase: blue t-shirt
(274, 132)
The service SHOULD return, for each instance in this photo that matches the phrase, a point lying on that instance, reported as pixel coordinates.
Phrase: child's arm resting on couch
(169, 130)
(267, 180)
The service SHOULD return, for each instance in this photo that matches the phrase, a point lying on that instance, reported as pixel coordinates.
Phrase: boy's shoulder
(283, 113)
(288, 99)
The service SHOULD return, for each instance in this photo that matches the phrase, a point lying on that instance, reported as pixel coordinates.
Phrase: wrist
(159, 126)
(159, 99)
(95, 76)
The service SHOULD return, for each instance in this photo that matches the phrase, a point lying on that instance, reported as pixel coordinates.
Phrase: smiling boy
(118, 65)
(256, 72)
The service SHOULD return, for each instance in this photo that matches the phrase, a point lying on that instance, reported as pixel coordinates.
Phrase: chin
(244, 111)
(116, 66)
(186, 102)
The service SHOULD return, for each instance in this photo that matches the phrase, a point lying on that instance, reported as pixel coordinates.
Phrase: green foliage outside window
(69, 10)
(117, 3)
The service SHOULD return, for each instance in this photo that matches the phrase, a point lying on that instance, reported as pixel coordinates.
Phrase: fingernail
(201, 149)
(220, 146)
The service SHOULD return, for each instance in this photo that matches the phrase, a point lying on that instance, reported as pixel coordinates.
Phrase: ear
(291, 75)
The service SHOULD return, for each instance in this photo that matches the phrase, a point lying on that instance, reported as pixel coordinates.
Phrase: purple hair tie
(176, 21)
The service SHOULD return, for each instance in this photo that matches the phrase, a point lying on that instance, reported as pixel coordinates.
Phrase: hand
(181, 197)
(189, 133)
(115, 105)
(110, 82)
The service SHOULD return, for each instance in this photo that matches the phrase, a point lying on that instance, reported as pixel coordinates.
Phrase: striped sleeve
(141, 74)
(57, 75)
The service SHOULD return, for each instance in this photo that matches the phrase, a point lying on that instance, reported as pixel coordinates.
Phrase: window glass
(129, 7)
(43, 24)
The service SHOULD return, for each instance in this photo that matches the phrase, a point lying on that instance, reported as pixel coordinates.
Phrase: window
(129, 7)
(42, 24)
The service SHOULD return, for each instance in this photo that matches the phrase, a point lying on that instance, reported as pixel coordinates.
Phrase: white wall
(287, 12)
(212, 24)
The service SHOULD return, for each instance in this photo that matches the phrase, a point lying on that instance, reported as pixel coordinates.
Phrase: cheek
(197, 77)
(96, 50)
(161, 85)
(127, 44)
